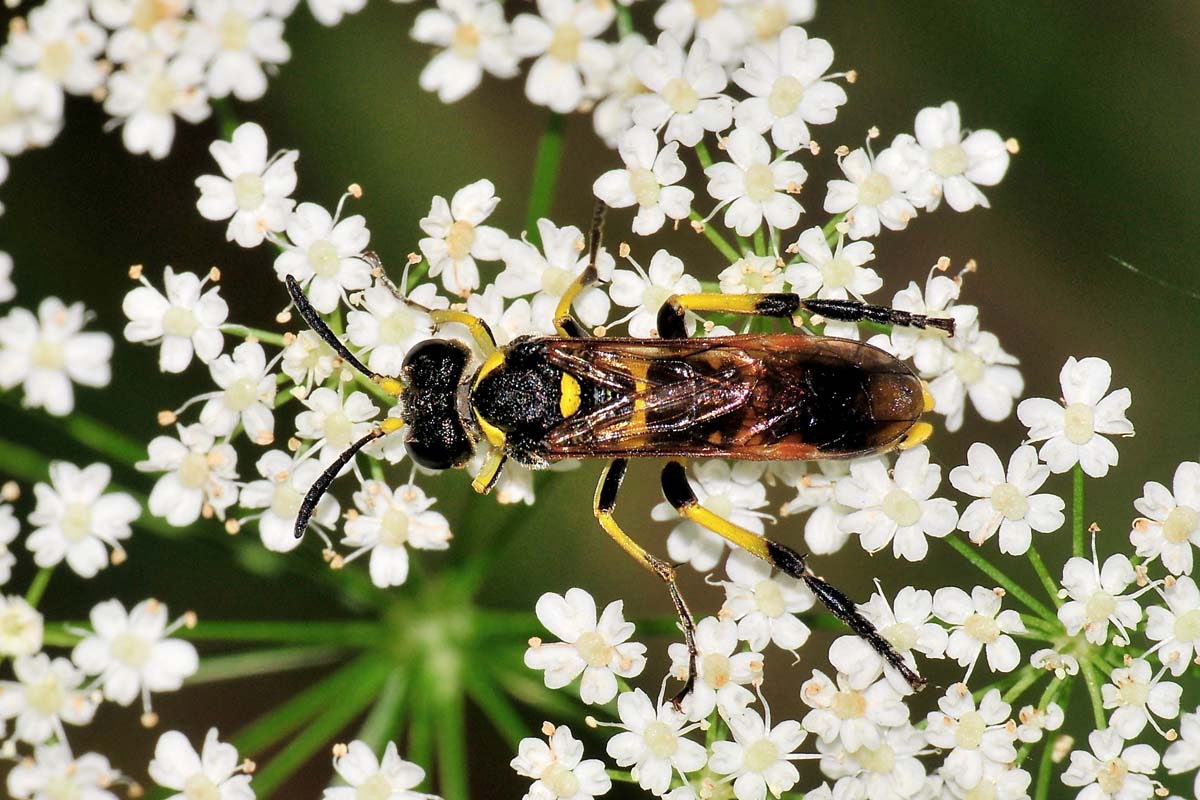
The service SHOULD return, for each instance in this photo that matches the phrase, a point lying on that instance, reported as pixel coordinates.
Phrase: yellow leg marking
(736, 534)
(727, 303)
(491, 363)
(916, 435)
(390, 385)
(477, 327)
(490, 472)
(391, 425)
(563, 309)
(571, 396)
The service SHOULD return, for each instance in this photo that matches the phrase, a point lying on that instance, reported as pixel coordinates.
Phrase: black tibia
(318, 489)
(788, 561)
(604, 505)
(675, 487)
(563, 321)
(314, 321)
(854, 311)
(596, 233)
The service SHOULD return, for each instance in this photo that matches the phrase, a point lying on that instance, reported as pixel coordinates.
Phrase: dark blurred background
(1104, 100)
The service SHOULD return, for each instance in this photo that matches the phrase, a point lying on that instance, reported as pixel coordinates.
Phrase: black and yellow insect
(541, 399)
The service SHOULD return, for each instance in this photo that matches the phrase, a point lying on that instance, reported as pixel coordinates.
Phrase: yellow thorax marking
(571, 397)
(494, 435)
(493, 361)
(917, 434)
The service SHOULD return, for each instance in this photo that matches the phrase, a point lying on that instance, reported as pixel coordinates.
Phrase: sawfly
(755, 396)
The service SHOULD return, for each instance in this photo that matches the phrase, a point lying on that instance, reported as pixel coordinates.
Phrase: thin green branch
(702, 154)
(714, 236)
(387, 715)
(1048, 583)
(624, 21)
(318, 733)
(357, 634)
(1092, 679)
(495, 706)
(545, 174)
(1045, 766)
(37, 587)
(232, 666)
(1029, 676)
(89, 432)
(986, 567)
(246, 332)
(451, 735)
(1077, 512)
(760, 243)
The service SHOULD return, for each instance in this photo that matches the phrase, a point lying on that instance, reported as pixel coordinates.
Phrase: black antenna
(314, 321)
(321, 485)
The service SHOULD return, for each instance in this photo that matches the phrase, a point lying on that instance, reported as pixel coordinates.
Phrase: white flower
(874, 193)
(760, 756)
(324, 255)
(186, 321)
(1097, 599)
(1061, 664)
(507, 322)
(1007, 501)
(550, 272)
(31, 119)
(684, 91)
(978, 625)
(899, 509)
(284, 485)
(559, 769)
(389, 327)
(617, 86)
(308, 360)
(755, 186)
(975, 366)
(333, 421)
(833, 274)
(1034, 721)
(200, 476)
(765, 20)
(951, 165)
(751, 274)
(20, 627)
(652, 744)
(1120, 774)
(763, 606)
(1176, 628)
(974, 737)
(390, 523)
(929, 348)
(9, 528)
(722, 670)
(51, 773)
(456, 236)
(61, 49)
(213, 773)
(130, 653)
(732, 493)
(646, 290)
(815, 492)
(600, 650)
(999, 781)
(475, 38)
(563, 38)
(47, 352)
(74, 519)
(646, 182)
(785, 78)
(853, 714)
(888, 772)
(390, 777)
(717, 23)
(906, 626)
(1184, 754)
(247, 395)
(140, 30)
(1171, 525)
(146, 96)
(253, 194)
(7, 290)
(1138, 695)
(240, 37)
(1073, 432)
(45, 695)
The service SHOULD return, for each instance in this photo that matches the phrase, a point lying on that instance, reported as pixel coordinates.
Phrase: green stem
(702, 153)
(387, 715)
(624, 21)
(451, 734)
(1045, 766)
(1077, 512)
(714, 236)
(321, 730)
(1026, 680)
(1092, 679)
(1048, 583)
(355, 634)
(279, 722)
(760, 243)
(545, 175)
(89, 432)
(495, 706)
(986, 567)
(246, 332)
(263, 662)
(37, 587)
(420, 726)
(830, 229)
(620, 776)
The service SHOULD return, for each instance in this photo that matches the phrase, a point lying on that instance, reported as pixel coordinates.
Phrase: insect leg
(603, 505)
(564, 324)
(785, 305)
(489, 473)
(480, 332)
(679, 494)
